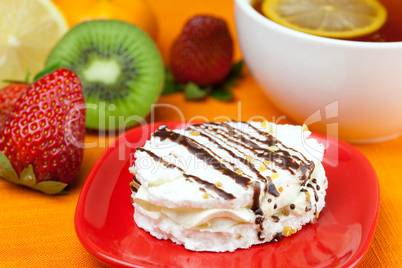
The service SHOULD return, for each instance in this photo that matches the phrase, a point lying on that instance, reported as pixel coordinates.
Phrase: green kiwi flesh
(120, 68)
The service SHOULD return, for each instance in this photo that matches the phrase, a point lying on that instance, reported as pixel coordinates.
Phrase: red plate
(105, 226)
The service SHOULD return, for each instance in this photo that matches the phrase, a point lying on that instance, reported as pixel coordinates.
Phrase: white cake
(223, 186)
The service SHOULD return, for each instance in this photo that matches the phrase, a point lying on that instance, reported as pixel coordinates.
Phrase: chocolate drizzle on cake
(277, 237)
(256, 199)
(275, 218)
(202, 153)
(270, 188)
(259, 215)
(135, 184)
(206, 184)
(315, 192)
(212, 187)
(239, 145)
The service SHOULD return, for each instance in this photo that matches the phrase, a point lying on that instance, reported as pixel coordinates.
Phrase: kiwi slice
(120, 68)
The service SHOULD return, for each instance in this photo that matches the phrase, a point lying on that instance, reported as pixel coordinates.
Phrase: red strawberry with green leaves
(203, 53)
(8, 96)
(41, 144)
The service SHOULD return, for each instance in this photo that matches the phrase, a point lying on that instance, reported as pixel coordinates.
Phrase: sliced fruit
(134, 11)
(328, 18)
(28, 31)
(120, 68)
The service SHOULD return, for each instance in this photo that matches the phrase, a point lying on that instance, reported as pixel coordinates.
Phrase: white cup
(348, 89)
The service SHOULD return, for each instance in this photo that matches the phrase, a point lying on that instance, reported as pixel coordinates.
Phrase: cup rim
(245, 6)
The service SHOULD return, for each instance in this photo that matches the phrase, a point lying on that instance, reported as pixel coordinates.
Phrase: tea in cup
(379, 21)
(351, 89)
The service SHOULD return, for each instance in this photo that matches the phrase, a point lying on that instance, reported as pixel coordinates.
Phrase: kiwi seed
(120, 68)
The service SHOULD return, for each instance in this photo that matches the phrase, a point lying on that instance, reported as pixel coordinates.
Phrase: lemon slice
(28, 31)
(328, 18)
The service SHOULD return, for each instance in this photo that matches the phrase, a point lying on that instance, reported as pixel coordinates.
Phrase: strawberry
(8, 96)
(203, 53)
(41, 144)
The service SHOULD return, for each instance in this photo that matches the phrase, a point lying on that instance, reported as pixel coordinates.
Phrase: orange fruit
(134, 11)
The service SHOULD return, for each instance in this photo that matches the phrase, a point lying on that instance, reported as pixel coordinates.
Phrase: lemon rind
(269, 10)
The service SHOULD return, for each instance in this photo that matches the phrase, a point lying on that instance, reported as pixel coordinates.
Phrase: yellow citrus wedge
(28, 31)
(328, 18)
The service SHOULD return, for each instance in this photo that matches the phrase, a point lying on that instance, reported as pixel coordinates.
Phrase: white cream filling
(171, 206)
(218, 219)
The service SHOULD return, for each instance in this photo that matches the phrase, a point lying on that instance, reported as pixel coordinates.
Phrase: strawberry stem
(25, 81)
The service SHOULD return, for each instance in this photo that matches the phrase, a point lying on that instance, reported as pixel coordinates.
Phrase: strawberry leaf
(234, 75)
(28, 177)
(50, 187)
(194, 92)
(25, 81)
(237, 69)
(27, 75)
(170, 86)
(47, 70)
(7, 171)
(222, 95)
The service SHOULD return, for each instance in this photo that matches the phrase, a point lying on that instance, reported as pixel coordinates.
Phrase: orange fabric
(38, 230)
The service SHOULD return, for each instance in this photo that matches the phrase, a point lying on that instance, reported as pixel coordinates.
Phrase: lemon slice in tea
(329, 18)
(28, 31)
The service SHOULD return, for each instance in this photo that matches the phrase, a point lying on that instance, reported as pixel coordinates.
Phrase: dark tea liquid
(391, 31)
